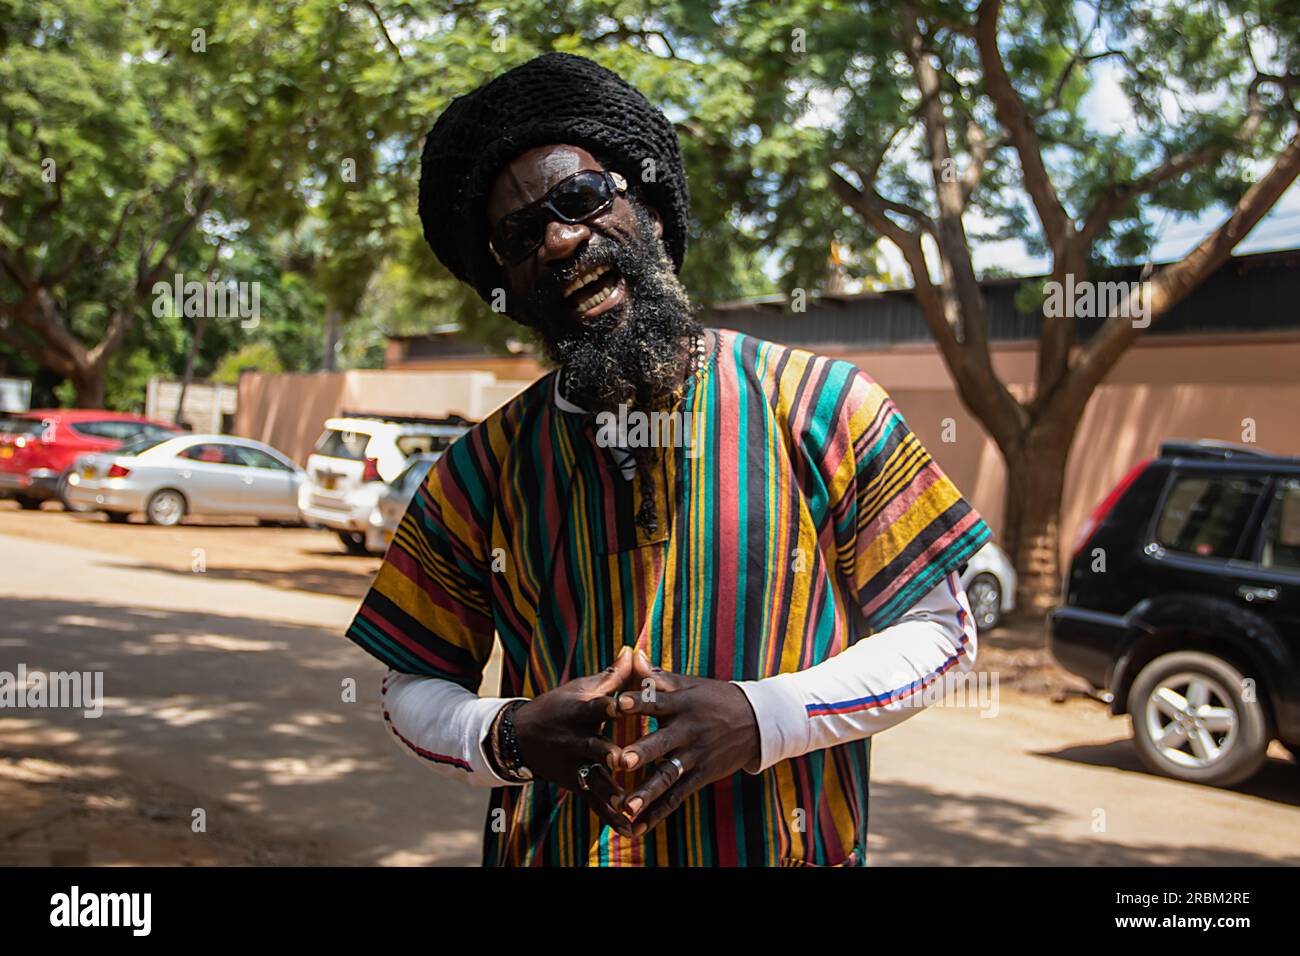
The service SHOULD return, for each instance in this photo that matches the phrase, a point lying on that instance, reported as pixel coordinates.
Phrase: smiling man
(697, 643)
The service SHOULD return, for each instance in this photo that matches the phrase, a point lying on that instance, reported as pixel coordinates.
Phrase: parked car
(354, 461)
(990, 583)
(38, 448)
(395, 499)
(170, 478)
(1182, 606)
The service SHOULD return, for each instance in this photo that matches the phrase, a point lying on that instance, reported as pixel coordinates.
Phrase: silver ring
(676, 762)
(583, 772)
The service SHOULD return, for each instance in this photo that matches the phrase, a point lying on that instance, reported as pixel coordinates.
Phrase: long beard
(635, 354)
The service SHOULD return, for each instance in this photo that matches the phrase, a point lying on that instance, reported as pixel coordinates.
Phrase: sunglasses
(582, 196)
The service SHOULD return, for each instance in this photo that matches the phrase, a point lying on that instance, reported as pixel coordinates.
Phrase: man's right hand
(559, 732)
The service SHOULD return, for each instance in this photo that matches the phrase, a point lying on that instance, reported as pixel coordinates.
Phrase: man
(697, 641)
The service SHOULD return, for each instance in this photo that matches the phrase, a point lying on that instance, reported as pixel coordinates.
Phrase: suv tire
(354, 542)
(1191, 720)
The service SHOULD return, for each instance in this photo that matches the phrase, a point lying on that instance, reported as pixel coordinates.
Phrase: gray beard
(638, 353)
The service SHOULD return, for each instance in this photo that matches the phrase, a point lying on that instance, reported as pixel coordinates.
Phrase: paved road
(228, 687)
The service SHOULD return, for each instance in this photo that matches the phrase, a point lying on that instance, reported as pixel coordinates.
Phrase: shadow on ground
(246, 714)
(1278, 780)
(920, 826)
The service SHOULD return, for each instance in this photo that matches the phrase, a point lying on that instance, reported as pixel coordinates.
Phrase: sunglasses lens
(518, 234)
(578, 198)
(581, 196)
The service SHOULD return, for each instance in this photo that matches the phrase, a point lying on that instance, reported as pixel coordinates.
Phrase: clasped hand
(706, 731)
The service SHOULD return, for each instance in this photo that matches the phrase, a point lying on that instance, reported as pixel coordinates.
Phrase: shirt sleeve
(443, 725)
(429, 611)
(901, 526)
(869, 686)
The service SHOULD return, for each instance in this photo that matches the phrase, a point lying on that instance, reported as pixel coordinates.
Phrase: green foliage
(297, 127)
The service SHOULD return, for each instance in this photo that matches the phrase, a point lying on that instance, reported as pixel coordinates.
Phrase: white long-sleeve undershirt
(866, 688)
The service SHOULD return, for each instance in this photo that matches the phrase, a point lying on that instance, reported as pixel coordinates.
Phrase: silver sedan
(215, 475)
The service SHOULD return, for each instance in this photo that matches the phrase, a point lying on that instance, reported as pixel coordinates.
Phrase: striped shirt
(804, 517)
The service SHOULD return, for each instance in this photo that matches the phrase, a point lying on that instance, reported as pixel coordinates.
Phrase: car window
(108, 430)
(415, 473)
(343, 444)
(21, 426)
(214, 453)
(1205, 516)
(417, 444)
(1281, 547)
(256, 458)
(140, 445)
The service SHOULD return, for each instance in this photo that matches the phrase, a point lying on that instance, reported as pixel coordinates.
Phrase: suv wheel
(985, 596)
(1191, 720)
(28, 503)
(354, 542)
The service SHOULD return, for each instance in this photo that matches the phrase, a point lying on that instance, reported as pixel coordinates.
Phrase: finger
(645, 798)
(605, 797)
(647, 702)
(614, 676)
(598, 750)
(643, 670)
(597, 710)
(652, 747)
(669, 802)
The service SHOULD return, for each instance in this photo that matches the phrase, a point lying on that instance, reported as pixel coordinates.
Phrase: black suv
(1182, 606)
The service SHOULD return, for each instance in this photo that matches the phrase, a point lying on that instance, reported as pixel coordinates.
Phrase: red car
(38, 448)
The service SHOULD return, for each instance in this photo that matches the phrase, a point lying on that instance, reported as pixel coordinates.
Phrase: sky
(1108, 111)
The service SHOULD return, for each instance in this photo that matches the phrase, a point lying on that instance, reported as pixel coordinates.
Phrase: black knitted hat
(555, 98)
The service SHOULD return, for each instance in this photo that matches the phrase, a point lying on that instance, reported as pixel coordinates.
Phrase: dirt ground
(224, 695)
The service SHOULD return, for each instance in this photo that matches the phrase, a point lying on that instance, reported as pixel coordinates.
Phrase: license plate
(88, 472)
(329, 482)
(6, 451)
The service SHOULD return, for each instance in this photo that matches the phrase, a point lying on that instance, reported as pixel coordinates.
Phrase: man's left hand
(706, 724)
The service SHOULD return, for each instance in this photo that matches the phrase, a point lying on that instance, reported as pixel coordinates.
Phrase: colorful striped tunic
(804, 516)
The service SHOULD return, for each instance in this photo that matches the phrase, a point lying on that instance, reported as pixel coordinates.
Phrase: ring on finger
(583, 773)
(676, 762)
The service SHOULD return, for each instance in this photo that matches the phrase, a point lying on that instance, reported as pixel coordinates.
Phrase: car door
(1202, 537)
(1274, 588)
(210, 477)
(269, 485)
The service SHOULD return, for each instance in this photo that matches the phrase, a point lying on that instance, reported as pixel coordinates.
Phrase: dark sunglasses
(582, 196)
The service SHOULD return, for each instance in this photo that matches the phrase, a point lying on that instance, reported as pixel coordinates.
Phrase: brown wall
(1188, 387)
(1162, 389)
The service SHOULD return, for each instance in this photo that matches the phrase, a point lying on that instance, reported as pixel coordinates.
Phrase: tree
(928, 119)
(934, 124)
(101, 192)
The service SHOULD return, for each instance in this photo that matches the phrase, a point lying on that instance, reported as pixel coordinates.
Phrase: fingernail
(641, 654)
(630, 702)
(634, 806)
(627, 649)
(630, 760)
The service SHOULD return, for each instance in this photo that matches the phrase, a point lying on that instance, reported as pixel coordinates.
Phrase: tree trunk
(89, 386)
(1032, 518)
(328, 352)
